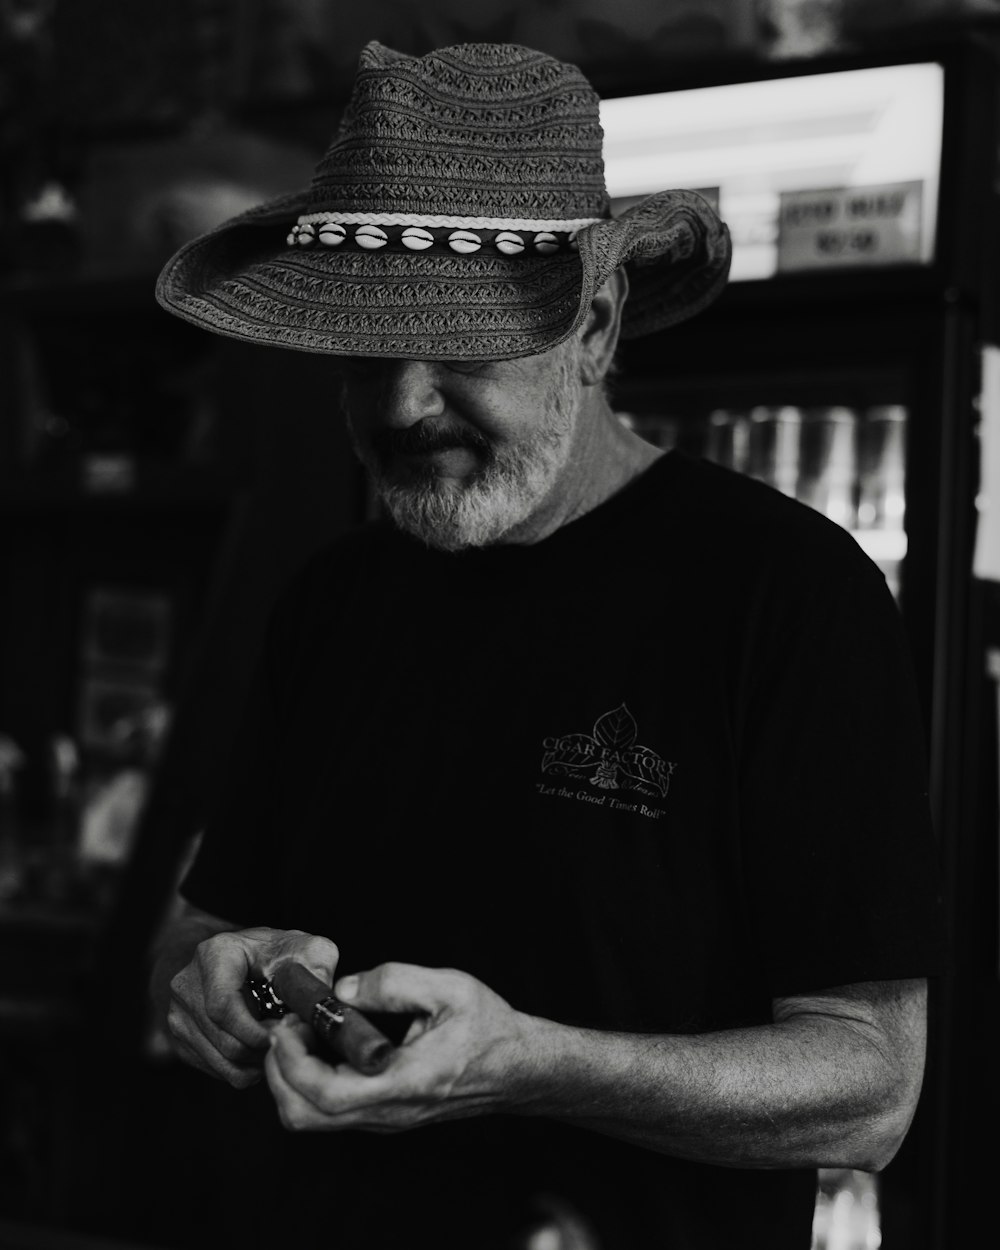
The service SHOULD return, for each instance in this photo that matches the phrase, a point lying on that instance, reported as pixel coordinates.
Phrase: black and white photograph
(499, 624)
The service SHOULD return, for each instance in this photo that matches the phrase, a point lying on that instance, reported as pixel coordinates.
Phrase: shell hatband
(466, 235)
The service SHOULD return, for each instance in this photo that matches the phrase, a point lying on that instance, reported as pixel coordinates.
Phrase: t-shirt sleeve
(840, 862)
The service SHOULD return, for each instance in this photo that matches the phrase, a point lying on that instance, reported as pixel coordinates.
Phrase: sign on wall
(850, 226)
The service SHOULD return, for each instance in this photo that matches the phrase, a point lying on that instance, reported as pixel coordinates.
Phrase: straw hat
(460, 213)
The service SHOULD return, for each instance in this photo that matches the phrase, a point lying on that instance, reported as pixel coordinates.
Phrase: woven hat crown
(475, 130)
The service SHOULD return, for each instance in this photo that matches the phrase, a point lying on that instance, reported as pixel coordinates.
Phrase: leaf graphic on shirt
(616, 729)
(645, 766)
(610, 758)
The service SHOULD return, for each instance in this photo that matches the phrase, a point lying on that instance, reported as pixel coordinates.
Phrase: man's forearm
(831, 1081)
(808, 1091)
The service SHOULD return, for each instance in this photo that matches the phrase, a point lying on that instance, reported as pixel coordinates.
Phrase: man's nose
(410, 391)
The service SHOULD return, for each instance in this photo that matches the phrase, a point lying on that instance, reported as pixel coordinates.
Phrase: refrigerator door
(853, 394)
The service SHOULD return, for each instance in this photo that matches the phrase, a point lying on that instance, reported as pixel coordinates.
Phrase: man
(597, 767)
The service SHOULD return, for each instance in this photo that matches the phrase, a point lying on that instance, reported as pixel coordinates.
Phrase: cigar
(345, 1033)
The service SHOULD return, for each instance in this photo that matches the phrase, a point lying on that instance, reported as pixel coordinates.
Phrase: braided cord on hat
(442, 221)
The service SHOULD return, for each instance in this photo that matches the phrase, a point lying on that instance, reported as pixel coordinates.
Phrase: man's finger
(331, 1090)
(222, 966)
(297, 1082)
(195, 1050)
(397, 987)
(294, 1111)
(186, 1026)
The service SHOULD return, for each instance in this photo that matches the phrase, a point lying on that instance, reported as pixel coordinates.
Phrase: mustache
(422, 438)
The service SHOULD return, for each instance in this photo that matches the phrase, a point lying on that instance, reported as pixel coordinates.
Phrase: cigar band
(327, 1013)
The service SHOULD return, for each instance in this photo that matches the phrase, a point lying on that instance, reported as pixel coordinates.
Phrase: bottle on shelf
(11, 848)
(60, 870)
(728, 439)
(882, 488)
(773, 452)
(660, 430)
(882, 469)
(828, 463)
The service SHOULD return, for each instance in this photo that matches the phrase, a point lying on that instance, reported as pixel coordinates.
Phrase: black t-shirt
(647, 774)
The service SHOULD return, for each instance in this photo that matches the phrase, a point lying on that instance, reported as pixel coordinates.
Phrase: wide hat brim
(243, 280)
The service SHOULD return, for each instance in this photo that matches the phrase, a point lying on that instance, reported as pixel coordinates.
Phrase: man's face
(465, 454)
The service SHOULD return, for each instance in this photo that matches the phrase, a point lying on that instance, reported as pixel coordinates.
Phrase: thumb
(396, 987)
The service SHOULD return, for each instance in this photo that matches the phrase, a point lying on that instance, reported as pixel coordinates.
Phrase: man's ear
(600, 333)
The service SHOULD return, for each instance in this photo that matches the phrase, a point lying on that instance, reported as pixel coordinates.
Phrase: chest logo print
(609, 758)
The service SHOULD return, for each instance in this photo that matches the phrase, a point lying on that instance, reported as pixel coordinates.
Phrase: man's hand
(461, 1056)
(209, 1023)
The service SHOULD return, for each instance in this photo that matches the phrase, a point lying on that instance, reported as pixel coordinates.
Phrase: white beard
(516, 480)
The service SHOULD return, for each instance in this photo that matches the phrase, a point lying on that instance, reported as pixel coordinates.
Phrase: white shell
(416, 238)
(464, 241)
(546, 243)
(307, 235)
(292, 238)
(509, 243)
(332, 234)
(370, 237)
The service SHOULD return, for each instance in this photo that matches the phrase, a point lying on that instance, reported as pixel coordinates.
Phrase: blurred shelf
(48, 918)
(85, 294)
(46, 955)
(113, 481)
(32, 1017)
